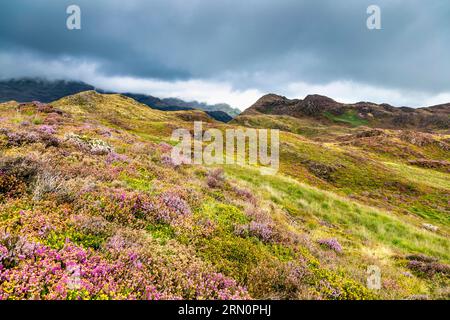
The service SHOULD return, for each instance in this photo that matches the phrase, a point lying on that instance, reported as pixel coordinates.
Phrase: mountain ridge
(327, 110)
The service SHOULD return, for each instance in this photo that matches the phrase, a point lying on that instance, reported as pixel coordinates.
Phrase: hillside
(35, 89)
(327, 111)
(87, 184)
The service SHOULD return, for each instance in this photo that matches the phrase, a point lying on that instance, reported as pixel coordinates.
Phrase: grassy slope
(372, 203)
(350, 117)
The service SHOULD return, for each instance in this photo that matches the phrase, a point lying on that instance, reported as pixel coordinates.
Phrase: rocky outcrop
(375, 115)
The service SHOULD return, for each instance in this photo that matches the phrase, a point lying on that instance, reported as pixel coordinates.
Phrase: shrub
(332, 244)
(168, 207)
(49, 182)
(429, 268)
(165, 147)
(215, 179)
(134, 208)
(245, 194)
(99, 147)
(183, 275)
(74, 273)
(262, 231)
(421, 258)
(258, 215)
(47, 129)
(94, 225)
(25, 124)
(20, 138)
(49, 140)
(169, 161)
(23, 168)
(273, 279)
(93, 146)
(426, 266)
(115, 157)
(176, 204)
(45, 108)
(11, 186)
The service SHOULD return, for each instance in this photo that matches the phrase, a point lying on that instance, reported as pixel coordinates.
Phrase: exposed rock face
(376, 115)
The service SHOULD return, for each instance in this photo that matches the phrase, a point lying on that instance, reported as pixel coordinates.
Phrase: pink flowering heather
(73, 273)
(169, 207)
(245, 194)
(47, 129)
(165, 147)
(115, 157)
(191, 280)
(166, 160)
(263, 231)
(174, 162)
(217, 286)
(25, 123)
(215, 179)
(3, 255)
(332, 244)
(176, 203)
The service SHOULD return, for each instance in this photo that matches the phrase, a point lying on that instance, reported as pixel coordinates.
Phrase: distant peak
(271, 97)
(319, 98)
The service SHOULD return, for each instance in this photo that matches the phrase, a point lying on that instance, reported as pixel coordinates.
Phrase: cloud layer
(233, 51)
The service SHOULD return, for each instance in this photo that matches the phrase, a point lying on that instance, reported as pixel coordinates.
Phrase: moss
(233, 256)
(140, 180)
(226, 216)
(57, 240)
(37, 121)
(336, 287)
(161, 232)
(281, 252)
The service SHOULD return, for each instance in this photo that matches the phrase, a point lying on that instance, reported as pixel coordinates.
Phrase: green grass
(421, 176)
(361, 222)
(349, 117)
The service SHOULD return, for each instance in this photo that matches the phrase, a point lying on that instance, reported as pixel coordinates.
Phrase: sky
(235, 51)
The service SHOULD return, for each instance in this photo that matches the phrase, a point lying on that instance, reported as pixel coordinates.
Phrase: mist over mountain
(222, 111)
(30, 89)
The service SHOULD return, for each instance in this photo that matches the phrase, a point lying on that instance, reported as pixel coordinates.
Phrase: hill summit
(371, 114)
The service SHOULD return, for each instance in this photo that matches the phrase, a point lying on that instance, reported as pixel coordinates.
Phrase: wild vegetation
(92, 207)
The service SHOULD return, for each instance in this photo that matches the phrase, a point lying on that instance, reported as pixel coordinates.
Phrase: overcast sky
(234, 51)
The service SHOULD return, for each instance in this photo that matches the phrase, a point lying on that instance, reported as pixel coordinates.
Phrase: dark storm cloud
(244, 40)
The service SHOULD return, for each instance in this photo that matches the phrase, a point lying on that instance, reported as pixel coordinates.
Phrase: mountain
(35, 89)
(219, 112)
(328, 111)
(219, 116)
(202, 106)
